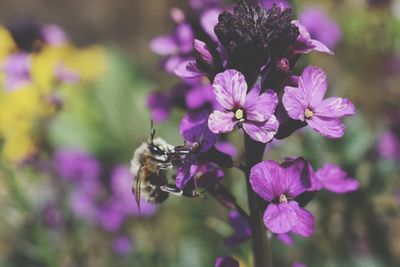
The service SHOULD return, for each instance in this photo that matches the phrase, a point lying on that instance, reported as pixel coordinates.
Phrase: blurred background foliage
(105, 116)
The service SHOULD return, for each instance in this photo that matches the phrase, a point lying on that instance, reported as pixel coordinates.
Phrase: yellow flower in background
(29, 85)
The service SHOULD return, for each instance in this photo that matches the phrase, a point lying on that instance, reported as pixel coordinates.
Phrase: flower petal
(188, 69)
(299, 176)
(320, 47)
(265, 179)
(305, 222)
(334, 179)
(185, 173)
(164, 45)
(262, 132)
(221, 121)
(328, 127)
(261, 107)
(313, 82)
(295, 103)
(335, 107)
(230, 89)
(280, 218)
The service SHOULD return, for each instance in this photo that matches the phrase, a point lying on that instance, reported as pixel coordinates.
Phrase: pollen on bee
(308, 113)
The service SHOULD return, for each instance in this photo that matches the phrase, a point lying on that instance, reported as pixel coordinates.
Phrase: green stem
(260, 243)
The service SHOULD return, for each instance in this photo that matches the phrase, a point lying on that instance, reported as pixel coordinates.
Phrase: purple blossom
(320, 26)
(208, 20)
(194, 129)
(16, 68)
(226, 148)
(160, 106)
(122, 245)
(389, 146)
(298, 264)
(110, 215)
(253, 112)
(201, 4)
(306, 103)
(280, 185)
(286, 239)
(332, 178)
(240, 226)
(305, 44)
(199, 96)
(76, 165)
(54, 35)
(226, 261)
(83, 205)
(186, 172)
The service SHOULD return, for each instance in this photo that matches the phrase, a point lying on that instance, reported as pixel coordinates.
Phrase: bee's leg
(179, 192)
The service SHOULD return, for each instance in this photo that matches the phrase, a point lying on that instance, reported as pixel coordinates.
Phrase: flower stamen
(283, 198)
(239, 115)
(308, 113)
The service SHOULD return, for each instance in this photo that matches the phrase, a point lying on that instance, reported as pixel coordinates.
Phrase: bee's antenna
(152, 130)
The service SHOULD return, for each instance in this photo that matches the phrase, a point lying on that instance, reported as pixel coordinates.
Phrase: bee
(149, 165)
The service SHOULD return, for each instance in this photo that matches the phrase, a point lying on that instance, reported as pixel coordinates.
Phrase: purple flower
(208, 20)
(298, 264)
(160, 106)
(194, 129)
(241, 227)
(306, 103)
(201, 4)
(122, 245)
(281, 3)
(83, 204)
(320, 26)
(332, 178)
(253, 112)
(286, 239)
(186, 172)
(305, 44)
(54, 35)
(226, 261)
(199, 96)
(110, 216)
(226, 148)
(76, 165)
(389, 146)
(280, 185)
(16, 68)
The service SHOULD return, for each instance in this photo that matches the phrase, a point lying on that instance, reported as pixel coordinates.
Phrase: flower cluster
(38, 63)
(237, 72)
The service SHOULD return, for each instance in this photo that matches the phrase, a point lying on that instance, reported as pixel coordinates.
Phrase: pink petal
(164, 45)
(280, 218)
(262, 132)
(320, 47)
(328, 127)
(295, 102)
(335, 107)
(261, 107)
(208, 20)
(230, 89)
(188, 70)
(313, 82)
(265, 179)
(334, 179)
(305, 222)
(286, 239)
(221, 121)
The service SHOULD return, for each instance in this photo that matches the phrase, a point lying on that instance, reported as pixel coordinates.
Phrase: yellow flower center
(239, 114)
(308, 113)
(282, 198)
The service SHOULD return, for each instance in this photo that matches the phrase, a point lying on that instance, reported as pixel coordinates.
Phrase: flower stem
(260, 243)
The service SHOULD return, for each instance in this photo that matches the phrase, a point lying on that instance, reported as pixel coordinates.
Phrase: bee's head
(160, 149)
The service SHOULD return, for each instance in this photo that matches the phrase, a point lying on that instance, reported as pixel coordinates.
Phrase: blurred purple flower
(332, 178)
(226, 148)
(199, 96)
(202, 4)
(226, 261)
(280, 185)
(160, 106)
(320, 26)
(176, 47)
(306, 103)
(76, 165)
(54, 35)
(240, 226)
(389, 146)
(286, 239)
(16, 68)
(66, 75)
(208, 20)
(122, 245)
(305, 44)
(110, 215)
(83, 205)
(52, 214)
(253, 112)
(298, 264)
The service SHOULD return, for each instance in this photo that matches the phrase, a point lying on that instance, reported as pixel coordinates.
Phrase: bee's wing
(136, 190)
